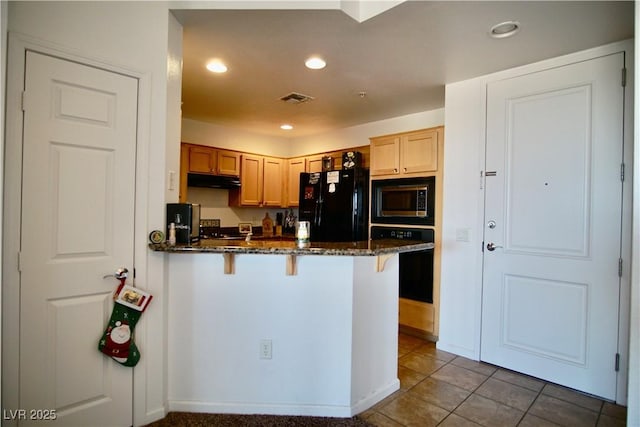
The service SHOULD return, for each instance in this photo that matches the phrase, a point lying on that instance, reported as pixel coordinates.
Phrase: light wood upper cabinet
(228, 163)
(385, 155)
(262, 181)
(266, 181)
(295, 167)
(273, 183)
(251, 177)
(407, 154)
(202, 159)
(419, 152)
(314, 163)
(208, 160)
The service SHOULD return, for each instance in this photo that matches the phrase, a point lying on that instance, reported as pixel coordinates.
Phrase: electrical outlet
(265, 349)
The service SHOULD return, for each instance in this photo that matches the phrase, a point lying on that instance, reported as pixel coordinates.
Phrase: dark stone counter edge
(363, 248)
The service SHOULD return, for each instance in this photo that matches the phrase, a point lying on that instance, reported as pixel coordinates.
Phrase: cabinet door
(251, 178)
(228, 163)
(385, 156)
(273, 182)
(419, 152)
(202, 159)
(314, 163)
(296, 167)
(184, 170)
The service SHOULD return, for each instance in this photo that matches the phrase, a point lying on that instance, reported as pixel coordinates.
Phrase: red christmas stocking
(118, 339)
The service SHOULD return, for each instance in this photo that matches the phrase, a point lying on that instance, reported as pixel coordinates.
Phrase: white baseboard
(251, 408)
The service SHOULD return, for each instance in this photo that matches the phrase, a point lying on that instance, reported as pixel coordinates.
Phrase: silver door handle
(120, 273)
(492, 246)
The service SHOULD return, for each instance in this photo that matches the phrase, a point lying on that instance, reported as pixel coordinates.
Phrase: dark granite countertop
(288, 247)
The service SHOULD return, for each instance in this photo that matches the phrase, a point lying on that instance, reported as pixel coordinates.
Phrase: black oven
(416, 268)
(403, 201)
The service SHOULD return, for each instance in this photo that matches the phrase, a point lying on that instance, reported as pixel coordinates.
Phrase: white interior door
(553, 211)
(77, 225)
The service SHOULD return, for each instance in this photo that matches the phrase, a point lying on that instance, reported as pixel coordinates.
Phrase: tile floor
(440, 389)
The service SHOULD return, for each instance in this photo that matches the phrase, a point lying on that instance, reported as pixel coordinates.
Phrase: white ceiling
(401, 58)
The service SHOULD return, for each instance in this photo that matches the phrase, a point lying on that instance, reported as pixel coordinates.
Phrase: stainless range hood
(212, 181)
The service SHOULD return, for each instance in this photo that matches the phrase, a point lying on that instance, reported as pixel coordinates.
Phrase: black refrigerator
(336, 203)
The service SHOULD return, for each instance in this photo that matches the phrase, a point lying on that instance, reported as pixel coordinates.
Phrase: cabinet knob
(395, 171)
(405, 169)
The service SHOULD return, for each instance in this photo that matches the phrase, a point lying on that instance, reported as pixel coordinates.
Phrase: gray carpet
(189, 419)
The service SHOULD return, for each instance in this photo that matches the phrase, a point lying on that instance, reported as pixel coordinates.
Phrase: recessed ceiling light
(286, 127)
(504, 29)
(315, 63)
(217, 66)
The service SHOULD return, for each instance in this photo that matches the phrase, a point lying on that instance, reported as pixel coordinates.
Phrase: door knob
(120, 273)
(492, 246)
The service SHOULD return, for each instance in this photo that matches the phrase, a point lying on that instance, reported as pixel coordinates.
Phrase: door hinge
(617, 362)
(482, 247)
(19, 261)
(624, 77)
(622, 172)
(619, 267)
(23, 101)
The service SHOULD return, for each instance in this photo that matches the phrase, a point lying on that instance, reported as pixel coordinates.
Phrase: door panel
(548, 173)
(77, 225)
(551, 286)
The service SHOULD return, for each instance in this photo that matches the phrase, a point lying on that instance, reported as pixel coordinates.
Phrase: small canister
(303, 233)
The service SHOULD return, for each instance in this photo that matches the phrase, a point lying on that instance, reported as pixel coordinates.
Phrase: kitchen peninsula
(272, 328)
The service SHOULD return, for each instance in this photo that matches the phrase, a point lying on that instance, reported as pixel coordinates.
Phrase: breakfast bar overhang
(282, 330)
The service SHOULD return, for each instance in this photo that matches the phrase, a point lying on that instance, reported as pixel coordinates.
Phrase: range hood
(212, 181)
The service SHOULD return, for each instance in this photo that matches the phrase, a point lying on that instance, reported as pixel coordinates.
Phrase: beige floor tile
(615, 411)
(573, 396)
(440, 393)
(379, 420)
(409, 377)
(411, 411)
(609, 421)
(519, 379)
(429, 349)
(460, 377)
(533, 421)
(409, 342)
(472, 365)
(454, 420)
(488, 412)
(423, 364)
(563, 412)
(508, 394)
(375, 408)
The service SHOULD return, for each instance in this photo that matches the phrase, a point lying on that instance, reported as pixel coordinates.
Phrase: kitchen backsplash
(214, 204)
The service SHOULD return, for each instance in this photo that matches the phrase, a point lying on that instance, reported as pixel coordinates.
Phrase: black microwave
(404, 201)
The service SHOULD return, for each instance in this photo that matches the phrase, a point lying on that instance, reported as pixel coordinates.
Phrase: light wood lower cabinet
(416, 315)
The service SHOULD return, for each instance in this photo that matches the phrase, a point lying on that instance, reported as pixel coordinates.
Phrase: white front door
(553, 213)
(77, 226)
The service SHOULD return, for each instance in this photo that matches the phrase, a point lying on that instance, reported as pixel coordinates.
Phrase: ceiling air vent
(296, 98)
